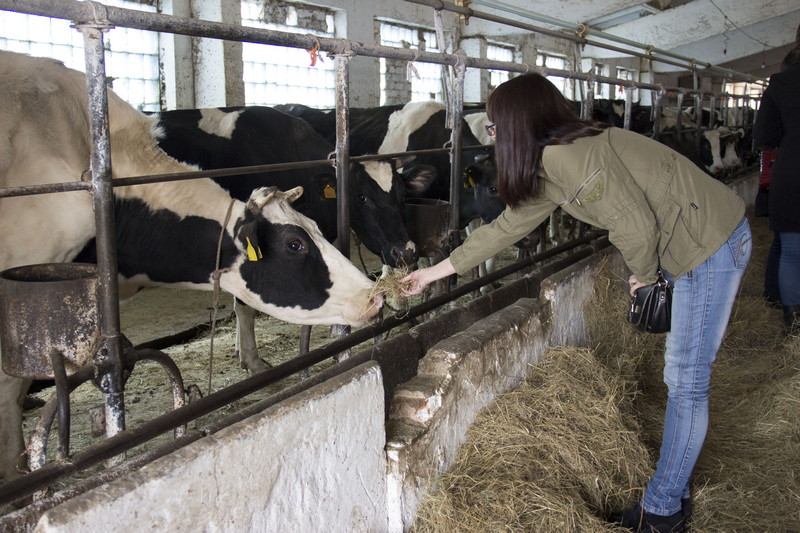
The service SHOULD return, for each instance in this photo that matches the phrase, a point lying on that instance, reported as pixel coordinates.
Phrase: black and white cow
(215, 138)
(402, 128)
(247, 136)
(272, 257)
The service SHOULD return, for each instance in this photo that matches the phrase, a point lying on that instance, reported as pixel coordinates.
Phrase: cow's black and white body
(272, 257)
(247, 136)
(402, 128)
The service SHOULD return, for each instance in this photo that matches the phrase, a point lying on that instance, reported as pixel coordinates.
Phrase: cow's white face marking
(348, 301)
(381, 172)
(218, 122)
(404, 122)
(713, 140)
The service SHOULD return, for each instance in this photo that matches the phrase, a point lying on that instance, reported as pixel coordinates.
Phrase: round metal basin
(428, 223)
(44, 308)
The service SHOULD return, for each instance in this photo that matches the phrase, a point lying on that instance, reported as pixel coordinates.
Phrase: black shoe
(686, 509)
(639, 521)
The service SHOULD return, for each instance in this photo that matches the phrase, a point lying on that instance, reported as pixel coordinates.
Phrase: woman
(778, 124)
(660, 210)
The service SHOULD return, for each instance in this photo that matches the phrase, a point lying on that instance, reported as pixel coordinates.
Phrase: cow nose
(406, 255)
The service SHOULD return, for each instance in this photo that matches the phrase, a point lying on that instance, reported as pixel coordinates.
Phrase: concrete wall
(267, 473)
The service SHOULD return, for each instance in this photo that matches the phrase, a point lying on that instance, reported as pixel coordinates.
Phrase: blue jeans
(789, 270)
(701, 305)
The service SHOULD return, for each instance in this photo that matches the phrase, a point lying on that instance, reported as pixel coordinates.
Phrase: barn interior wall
(207, 73)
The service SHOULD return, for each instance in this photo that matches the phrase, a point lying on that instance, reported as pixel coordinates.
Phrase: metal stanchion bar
(108, 358)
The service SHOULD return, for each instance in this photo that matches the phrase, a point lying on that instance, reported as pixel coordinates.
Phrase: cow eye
(493, 190)
(361, 199)
(295, 245)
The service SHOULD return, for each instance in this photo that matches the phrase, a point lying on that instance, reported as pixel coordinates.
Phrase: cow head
(480, 178)
(286, 268)
(377, 198)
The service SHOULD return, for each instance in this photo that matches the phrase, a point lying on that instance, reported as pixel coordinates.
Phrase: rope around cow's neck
(215, 299)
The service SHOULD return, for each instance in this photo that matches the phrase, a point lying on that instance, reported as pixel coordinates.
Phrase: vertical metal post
(588, 103)
(341, 65)
(711, 108)
(456, 107)
(628, 108)
(657, 114)
(108, 358)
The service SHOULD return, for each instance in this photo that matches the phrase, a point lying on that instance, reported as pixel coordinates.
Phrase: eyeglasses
(491, 129)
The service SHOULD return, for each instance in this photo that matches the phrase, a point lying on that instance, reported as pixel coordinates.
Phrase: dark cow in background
(402, 128)
(272, 257)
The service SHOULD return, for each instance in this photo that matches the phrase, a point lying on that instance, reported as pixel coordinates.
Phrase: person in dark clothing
(778, 125)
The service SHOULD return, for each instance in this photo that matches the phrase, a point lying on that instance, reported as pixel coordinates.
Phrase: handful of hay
(390, 287)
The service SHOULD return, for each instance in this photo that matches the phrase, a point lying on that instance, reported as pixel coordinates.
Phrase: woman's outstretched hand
(416, 281)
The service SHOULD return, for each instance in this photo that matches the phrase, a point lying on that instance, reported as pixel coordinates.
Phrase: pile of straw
(556, 454)
(581, 437)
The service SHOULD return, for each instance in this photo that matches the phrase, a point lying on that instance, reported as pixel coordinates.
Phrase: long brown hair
(530, 113)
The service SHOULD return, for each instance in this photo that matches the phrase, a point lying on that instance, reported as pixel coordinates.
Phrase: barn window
(131, 55)
(625, 74)
(277, 75)
(546, 59)
(601, 90)
(497, 52)
(425, 78)
(744, 89)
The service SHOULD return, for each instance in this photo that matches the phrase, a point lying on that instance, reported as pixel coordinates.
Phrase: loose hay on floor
(581, 436)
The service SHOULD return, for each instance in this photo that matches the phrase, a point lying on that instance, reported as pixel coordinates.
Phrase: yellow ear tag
(253, 254)
(329, 192)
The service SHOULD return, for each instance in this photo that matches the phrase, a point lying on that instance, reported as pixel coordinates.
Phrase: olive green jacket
(657, 206)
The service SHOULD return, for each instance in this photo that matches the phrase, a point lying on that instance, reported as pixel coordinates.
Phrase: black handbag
(651, 307)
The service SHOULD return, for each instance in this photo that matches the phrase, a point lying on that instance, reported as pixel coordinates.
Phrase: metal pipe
(456, 114)
(62, 400)
(342, 62)
(108, 357)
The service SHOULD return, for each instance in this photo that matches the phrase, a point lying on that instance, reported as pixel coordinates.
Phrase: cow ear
(294, 194)
(419, 178)
(248, 235)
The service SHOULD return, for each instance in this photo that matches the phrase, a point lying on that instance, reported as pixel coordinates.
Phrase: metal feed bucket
(428, 223)
(44, 308)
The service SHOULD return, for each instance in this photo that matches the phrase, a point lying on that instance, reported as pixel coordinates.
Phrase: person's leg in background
(789, 281)
(772, 292)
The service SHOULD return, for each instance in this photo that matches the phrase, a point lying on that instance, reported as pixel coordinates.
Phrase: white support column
(476, 81)
(218, 64)
(177, 66)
